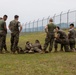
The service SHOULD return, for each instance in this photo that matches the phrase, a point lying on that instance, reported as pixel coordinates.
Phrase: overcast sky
(30, 10)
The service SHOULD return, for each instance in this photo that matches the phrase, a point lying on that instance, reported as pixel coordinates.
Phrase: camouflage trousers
(4, 43)
(72, 43)
(36, 49)
(61, 47)
(64, 43)
(14, 42)
(49, 40)
(33, 50)
(2, 37)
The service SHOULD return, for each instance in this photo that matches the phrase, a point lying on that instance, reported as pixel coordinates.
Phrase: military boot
(66, 48)
(50, 49)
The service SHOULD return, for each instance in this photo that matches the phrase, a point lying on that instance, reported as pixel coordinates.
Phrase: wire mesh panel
(35, 27)
(31, 27)
(64, 21)
(27, 27)
(40, 26)
(45, 22)
(24, 28)
(57, 20)
(72, 17)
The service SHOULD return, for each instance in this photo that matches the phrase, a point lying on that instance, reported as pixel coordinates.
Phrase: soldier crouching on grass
(71, 37)
(61, 38)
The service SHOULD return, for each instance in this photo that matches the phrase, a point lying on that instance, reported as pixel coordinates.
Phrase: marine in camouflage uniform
(37, 47)
(28, 47)
(4, 42)
(49, 29)
(3, 31)
(62, 39)
(71, 36)
(14, 28)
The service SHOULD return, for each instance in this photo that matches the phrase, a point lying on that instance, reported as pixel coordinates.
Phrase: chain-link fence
(62, 20)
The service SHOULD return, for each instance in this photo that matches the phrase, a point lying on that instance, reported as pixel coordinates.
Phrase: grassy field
(60, 63)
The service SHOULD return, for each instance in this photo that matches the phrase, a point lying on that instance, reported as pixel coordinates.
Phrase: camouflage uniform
(49, 37)
(4, 43)
(37, 47)
(71, 37)
(61, 47)
(63, 40)
(2, 34)
(28, 47)
(20, 50)
(14, 27)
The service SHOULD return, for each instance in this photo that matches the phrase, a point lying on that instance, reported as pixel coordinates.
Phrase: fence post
(75, 18)
(54, 18)
(42, 23)
(48, 19)
(25, 26)
(37, 24)
(22, 26)
(60, 18)
(33, 25)
(29, 27)
(68, 18)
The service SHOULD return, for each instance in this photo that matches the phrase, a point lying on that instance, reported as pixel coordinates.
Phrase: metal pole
(29, 27)
(22, 26)
(60, 18)
(25, 26)
(54, 18)
(42, 23)
(33, 25)
(75, 18)
(37, 24)
(48, 19)
(68, 18)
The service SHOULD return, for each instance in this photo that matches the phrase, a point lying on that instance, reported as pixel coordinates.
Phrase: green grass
(60, 63)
